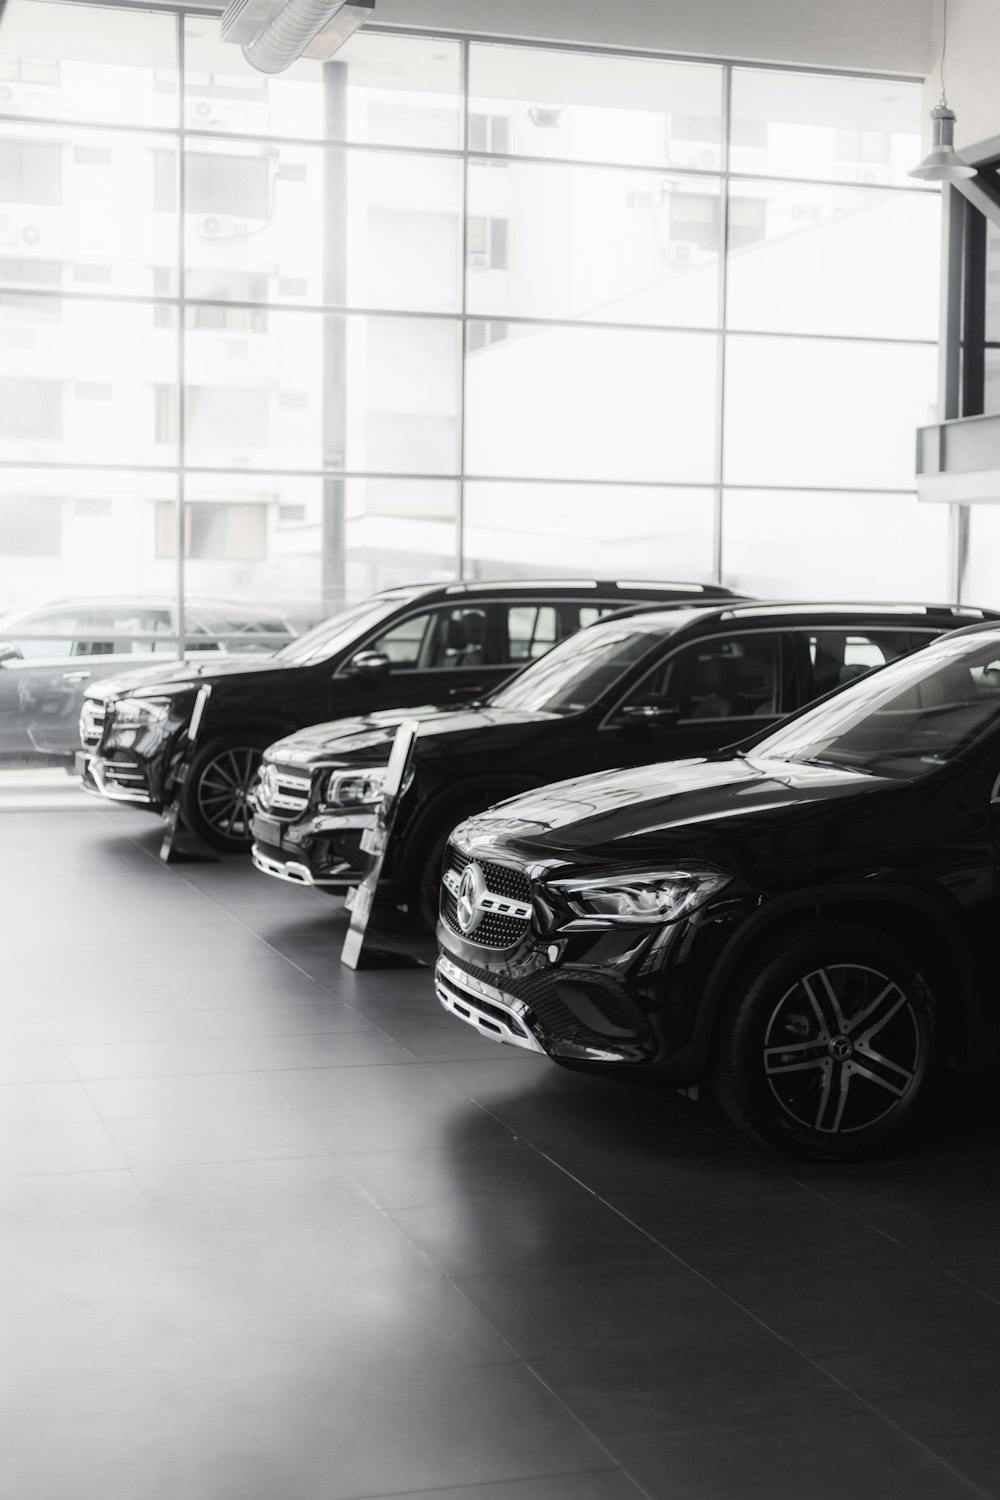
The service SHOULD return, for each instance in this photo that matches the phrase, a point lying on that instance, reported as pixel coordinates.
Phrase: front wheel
(215, 799)
(826, 1048)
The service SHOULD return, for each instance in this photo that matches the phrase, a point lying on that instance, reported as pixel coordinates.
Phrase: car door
(32, 691)
(698, 698)
(445, 655)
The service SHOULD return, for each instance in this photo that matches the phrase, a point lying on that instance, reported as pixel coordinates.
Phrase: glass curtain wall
(442, 308)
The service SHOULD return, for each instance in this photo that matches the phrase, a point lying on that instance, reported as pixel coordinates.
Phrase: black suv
(195, 730)
(641, 687)
(811, 924)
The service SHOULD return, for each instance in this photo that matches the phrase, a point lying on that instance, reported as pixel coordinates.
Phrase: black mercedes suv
(810, 924)
(658, 685)
(194, 731)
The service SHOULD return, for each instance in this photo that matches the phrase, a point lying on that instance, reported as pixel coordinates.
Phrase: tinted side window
(457, 639)
(531, 630)
(52, 633)
(725, 677)
(403, 644)
(839, 655)
(440, 639)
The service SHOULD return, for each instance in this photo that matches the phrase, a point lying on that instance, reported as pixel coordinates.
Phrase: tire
(426, 884)
(826, 1048)
(214, 798)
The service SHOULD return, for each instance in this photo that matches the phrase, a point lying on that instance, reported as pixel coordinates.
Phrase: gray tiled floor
(273, 1230)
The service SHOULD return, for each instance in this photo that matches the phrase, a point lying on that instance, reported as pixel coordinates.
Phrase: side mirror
(9, 652)
(370, 665)
(656, 712)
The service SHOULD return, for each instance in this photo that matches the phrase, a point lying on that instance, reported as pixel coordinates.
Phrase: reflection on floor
(277, 1231)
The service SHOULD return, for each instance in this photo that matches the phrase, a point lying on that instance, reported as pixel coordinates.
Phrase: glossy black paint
(268, 697)
(468, 759)
(913, 858)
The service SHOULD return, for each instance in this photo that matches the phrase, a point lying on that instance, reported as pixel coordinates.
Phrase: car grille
(539, 992)
(92, 720)
(495, 930)
(282, 792)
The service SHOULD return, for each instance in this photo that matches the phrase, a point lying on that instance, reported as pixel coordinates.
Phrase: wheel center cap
(841, 1048)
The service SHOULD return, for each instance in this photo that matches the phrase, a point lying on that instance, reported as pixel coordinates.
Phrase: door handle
(75, 676)
(466, 692)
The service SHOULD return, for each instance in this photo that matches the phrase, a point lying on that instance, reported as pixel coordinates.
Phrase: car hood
(630, 815)
(369, 740)
(175, 676)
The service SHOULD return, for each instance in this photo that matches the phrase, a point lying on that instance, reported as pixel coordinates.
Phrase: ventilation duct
(273, 35)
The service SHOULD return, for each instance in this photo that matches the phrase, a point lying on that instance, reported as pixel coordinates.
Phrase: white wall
(971, 68)
(879, 35)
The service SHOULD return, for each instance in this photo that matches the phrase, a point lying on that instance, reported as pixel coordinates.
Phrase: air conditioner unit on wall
(222, 226)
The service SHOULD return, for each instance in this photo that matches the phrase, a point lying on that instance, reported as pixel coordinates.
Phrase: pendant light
(943, 163)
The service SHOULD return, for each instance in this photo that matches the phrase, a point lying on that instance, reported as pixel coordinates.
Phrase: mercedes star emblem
(470, 890)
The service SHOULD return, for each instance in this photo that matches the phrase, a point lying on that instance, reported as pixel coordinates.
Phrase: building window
(214, 531)
(752, 133)
(219, 188)
(487, 243)
(694, 219)
(92, 156)
(482, 335)
(862, 146)
(228, 416)
(30, 526)
(30, 272)
(96, 275)
(30, 410)
(489, 133)
(706, 129)
(164, 414)
(26, 70)
(30, 172)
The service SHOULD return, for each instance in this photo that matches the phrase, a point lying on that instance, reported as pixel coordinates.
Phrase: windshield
(331, 636)
(917, 713)
(577, 672)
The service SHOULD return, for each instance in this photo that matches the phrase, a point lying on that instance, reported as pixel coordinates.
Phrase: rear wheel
(827, 1046)
(215, 799)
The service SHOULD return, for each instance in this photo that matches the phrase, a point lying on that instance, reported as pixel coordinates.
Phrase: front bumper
(572, 1011)
(117, 778)
(321, 850)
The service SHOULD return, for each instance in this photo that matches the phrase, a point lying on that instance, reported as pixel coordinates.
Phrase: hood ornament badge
(471, 889)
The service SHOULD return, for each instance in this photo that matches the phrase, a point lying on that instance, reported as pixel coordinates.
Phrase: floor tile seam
(910, 1250)
(489, 1484)
(205, 896)
(516, 1357)
(225, 1114)
(818, 1365)
(195, 1041)
(158, 1077)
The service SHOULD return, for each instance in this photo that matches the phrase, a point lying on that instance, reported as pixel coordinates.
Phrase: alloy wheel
(224, 788)
(842, 1049)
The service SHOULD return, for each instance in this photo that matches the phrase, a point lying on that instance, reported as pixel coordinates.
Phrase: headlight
(134, 712)
(646, 896)
(355, 788)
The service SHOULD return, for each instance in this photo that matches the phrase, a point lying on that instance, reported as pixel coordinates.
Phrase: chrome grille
(282, 791)
(92, 720)
(504, 905)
